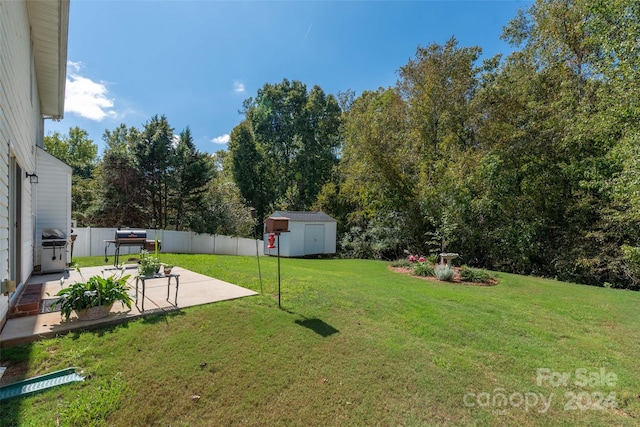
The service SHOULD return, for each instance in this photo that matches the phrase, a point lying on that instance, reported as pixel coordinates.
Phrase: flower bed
(457, 277)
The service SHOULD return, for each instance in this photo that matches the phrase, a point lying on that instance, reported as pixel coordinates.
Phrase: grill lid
(53, 233)
(131, 234)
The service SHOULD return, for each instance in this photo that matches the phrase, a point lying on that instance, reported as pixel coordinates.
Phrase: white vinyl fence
(91, 242)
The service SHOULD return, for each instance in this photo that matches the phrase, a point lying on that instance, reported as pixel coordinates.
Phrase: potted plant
(93, 299)
(149, 265)
(167, 268)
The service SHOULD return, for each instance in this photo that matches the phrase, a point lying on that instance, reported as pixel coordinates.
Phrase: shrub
(402, 262)
(469, 274)
(423, 269)
(443, 272)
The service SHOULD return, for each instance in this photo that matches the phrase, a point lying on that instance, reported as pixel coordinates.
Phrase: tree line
(150, 178)
(525, 163)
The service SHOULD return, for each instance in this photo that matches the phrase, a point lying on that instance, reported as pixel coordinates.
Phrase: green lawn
(355, 344)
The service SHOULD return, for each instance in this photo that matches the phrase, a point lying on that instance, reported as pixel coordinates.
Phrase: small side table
(143, 279)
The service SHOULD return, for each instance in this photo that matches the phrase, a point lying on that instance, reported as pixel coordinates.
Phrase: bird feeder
(277, 224)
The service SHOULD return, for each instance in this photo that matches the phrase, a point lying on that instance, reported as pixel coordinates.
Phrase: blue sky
(196, 61)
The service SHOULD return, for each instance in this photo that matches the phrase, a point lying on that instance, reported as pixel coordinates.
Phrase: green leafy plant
(402, 262)
(97, 291)
(149, 264)
(423, 269)
(443, 272)
(476, 275)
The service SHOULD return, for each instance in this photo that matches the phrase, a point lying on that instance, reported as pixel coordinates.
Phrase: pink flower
(421, 259)
(412, 258)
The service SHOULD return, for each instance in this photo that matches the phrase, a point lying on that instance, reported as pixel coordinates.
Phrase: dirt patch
(456, 277)
(14, 372)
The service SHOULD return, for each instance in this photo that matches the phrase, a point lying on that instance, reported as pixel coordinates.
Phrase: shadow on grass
(150, 317)
(318, 326)
(161, 315)
(98, 329)
(18, 359)
(10, 412)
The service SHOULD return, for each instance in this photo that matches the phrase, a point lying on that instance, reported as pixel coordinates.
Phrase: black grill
(129, 238)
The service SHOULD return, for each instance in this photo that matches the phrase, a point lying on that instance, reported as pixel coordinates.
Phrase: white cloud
(238, 86)
(222, 139)
(85, 97)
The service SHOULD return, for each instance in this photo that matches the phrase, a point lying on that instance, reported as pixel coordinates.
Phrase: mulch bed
(456, 277)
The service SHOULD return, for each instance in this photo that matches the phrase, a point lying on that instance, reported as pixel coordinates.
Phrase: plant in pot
(93, 298)
(149, 265)
(167, 268)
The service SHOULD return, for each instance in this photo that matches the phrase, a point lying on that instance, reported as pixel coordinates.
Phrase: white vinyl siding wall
(53, 208)
(20, 128)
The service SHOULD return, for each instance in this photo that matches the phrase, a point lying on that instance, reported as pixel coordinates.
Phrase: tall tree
(293, 135)
(380, 169)
(153, 154)
(193, 170)
(438, 85)
(122, 185)
(225, 212)
(251, 170)
(79, 152)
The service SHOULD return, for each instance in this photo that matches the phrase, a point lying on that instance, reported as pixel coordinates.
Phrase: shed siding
(330, 235)
(20, 129)
(292, 243)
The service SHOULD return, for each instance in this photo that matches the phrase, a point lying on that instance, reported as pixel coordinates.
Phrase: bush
(468, 274)
(443, 272)
(423, 269)
(402, 263)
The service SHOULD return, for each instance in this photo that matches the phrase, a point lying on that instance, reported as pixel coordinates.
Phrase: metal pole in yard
(253, 213)
(258, 256)
(279, 306)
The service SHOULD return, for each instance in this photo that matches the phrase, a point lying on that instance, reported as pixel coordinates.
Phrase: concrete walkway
(194, 289)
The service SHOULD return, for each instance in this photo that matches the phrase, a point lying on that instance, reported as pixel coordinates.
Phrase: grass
(356, 344)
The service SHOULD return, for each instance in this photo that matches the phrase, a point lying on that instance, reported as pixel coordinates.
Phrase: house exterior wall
(53, 201)
(21, 127)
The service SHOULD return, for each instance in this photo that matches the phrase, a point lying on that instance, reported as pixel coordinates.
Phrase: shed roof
(304, 216)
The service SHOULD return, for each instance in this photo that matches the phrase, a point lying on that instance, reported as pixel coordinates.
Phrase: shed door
(313, 239)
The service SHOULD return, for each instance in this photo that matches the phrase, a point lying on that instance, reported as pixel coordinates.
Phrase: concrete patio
(194, 289)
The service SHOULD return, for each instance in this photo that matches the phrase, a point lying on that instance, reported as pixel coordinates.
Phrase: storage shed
(310, 233)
